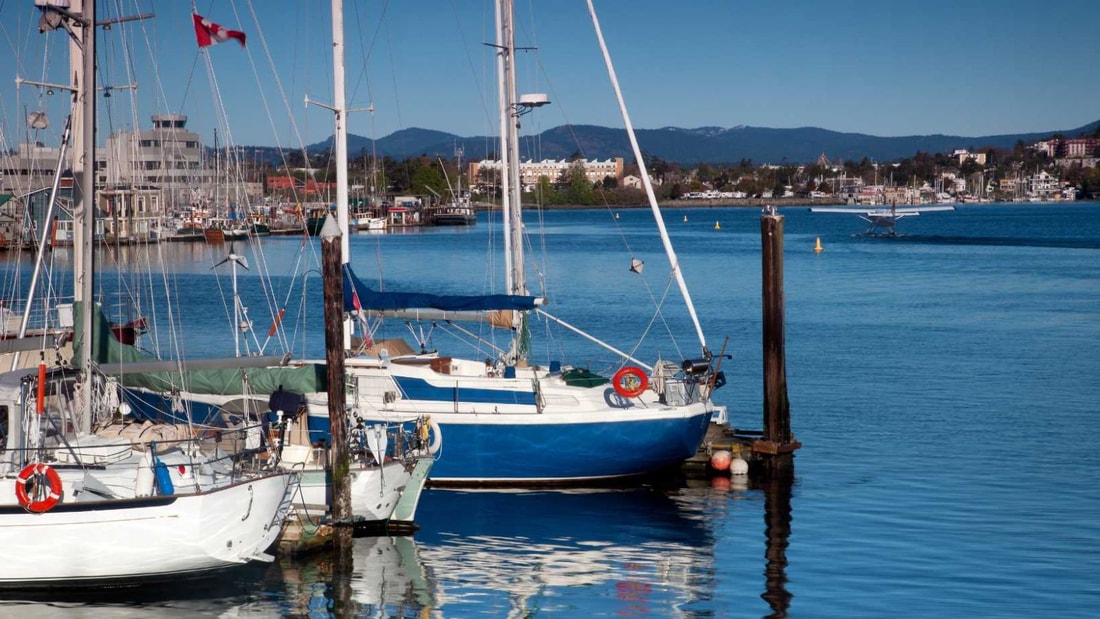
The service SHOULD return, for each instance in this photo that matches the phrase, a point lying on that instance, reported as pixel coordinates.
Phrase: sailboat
(389, 461)
(506, 420)
(84, 508)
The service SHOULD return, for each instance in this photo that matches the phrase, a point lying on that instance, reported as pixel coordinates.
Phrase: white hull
(144, 538)
(374, 224)
(375, 491)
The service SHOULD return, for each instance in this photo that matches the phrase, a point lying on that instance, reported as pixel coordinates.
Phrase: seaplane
(883, 219)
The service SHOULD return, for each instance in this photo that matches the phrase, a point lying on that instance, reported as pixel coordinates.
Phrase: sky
(885, 67)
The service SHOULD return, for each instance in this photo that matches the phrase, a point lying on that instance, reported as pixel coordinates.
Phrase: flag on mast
(209, 33)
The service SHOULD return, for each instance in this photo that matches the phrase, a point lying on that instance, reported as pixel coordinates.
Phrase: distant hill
(693, 146)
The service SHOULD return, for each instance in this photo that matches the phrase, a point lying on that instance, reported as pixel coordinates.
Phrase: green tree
(579, 189)
(428, 180)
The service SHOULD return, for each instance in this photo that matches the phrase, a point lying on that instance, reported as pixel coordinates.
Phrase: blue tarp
(374, 300)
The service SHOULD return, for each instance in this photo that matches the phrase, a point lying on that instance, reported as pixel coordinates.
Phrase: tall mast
(510, 115)
(512, 188)
(339, 108)
(84, 212)
(503, 57)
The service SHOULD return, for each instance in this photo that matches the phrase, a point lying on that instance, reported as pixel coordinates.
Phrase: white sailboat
(390, 462)
(79, 508)
(506, 420)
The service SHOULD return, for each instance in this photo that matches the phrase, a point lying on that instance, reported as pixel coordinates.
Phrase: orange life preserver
(34, 495)
(635, 376)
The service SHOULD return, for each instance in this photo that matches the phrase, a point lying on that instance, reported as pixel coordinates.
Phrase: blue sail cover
(368, 299)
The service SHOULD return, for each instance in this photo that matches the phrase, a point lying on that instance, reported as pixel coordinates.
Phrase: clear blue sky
(886, 68)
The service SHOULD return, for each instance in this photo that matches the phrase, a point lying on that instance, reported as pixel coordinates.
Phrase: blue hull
(505, 453)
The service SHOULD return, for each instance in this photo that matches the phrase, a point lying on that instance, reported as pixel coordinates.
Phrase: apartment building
(532, 171)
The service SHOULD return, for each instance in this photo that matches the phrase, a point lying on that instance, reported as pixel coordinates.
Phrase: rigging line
(674, 262)
(366, 52)
(658, 313)
(489, 120)
(576, 140)
(282, 93)
(256, 74)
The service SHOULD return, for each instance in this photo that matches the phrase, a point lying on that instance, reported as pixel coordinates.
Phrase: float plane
(883, 219)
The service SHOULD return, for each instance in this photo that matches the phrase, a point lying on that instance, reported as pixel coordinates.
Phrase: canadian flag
(209, 33)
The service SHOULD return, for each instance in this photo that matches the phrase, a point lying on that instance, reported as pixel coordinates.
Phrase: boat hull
(499, 431)
(151, 538)
(375, 491)
(502, 451)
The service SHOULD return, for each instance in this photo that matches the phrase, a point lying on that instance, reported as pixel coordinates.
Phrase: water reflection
(383, 576)
(229, 592)
(777, 531)
(621, 552)
(633, 553)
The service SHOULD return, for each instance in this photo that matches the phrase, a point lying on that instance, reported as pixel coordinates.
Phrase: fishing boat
(506, 419)
(458, 210)
(87, 498)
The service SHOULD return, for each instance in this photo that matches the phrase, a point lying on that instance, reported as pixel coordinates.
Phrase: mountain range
(692, 146)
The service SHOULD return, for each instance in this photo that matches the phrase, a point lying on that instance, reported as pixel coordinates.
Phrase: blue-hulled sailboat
(506, 420)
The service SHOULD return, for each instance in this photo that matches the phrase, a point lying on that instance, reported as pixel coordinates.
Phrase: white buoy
(739, 467)
(720, 460)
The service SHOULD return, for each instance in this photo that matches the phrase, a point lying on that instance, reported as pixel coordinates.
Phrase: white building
(167, 156)
(553, 169)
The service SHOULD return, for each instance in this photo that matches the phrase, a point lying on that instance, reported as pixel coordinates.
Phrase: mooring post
(777, 443)
(339, 461)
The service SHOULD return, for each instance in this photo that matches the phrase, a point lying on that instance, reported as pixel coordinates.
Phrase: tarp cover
(108, 352)
(370, 299)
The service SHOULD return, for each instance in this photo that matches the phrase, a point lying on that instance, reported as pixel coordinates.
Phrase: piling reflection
(777, 531)
(382, 576)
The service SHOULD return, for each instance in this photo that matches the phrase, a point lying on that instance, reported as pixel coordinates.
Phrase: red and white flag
(209, 33)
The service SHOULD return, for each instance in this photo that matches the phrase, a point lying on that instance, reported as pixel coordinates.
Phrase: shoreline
(723, 203)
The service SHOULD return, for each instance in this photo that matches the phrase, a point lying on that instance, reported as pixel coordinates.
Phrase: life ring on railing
(38, 488)
(630, 382)
(437, 436)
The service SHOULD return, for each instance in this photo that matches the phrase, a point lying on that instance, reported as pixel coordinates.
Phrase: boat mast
(512, 187)
(503, 118)
(339, 109)
(84, 210)
(340, 135)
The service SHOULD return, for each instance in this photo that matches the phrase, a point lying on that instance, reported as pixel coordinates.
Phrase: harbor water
(944, 384)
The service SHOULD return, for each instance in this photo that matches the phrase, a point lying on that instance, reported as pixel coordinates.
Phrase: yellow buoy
(818, 248)
(717, 226)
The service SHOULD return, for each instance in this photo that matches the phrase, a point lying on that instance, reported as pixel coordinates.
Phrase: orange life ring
(38, 488)
(636, 379)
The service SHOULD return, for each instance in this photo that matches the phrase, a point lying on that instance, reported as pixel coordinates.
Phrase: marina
(332, 394)
(955, 340)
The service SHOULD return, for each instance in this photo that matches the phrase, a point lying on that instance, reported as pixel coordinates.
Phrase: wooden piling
(339, 460)
(777, 440)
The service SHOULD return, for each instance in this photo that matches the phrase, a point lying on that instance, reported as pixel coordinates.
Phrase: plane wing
(883, 210)
(882, 218)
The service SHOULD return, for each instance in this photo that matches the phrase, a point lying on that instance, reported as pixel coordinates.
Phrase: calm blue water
(945, 385)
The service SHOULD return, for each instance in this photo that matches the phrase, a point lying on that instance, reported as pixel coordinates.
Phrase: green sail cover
(230, 380)
(579, 377)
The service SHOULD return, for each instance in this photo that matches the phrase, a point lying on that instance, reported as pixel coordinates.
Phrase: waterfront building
(532, 171)
(167, 156)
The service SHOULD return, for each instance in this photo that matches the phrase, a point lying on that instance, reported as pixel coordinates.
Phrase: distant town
(163, 183)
